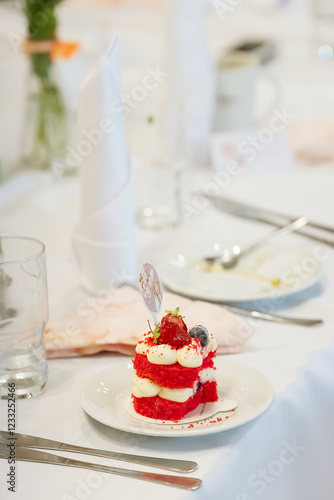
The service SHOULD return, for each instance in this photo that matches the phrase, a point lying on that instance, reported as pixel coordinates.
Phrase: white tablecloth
(287, 452)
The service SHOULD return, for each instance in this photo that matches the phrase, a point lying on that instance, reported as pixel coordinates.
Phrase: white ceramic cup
(237, 77)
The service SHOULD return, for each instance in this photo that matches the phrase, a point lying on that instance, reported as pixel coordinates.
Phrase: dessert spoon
(230, 258)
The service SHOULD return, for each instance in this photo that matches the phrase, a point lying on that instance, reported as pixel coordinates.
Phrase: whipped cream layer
(146, 388)
(162, 354)
(189, 356)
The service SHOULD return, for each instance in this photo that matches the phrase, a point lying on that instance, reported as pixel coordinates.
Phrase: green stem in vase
(42, 25)
(41, 17)
(50, 116)
(50, 134)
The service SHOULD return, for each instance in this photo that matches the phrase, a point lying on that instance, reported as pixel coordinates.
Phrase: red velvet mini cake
(174, 369)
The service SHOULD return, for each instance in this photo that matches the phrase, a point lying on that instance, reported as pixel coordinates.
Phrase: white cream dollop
(212, 345)
(146, 386)
(142, 347)
(138, 393)
(162, 354)
(178, 395)
(189, 355)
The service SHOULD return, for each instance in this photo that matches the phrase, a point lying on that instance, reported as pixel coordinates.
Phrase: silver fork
(23, 454)
(26, 441)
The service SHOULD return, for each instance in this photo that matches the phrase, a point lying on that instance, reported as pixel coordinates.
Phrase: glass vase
(46, 128)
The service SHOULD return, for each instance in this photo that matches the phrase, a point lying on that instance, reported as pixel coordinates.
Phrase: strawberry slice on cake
(174, 369)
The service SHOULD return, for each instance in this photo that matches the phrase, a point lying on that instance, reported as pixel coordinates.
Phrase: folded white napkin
(191, 81)
(103, 239)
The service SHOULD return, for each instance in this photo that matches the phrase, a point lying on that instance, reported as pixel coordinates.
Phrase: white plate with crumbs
(273, 271)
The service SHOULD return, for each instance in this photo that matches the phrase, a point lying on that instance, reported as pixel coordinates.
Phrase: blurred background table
(306, 80)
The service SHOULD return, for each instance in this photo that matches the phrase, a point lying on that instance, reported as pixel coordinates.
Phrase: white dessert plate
(273, 271)
(105, 397)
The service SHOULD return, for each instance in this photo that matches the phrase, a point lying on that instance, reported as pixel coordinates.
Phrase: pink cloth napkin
(313, 140)
(118, 323)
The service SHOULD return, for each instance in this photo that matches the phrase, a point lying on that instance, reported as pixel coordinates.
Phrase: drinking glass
(158, 197)
(23, 315)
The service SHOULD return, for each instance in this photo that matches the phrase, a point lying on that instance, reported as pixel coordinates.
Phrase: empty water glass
(23, 315)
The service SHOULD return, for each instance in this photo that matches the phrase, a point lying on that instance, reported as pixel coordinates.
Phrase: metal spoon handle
(282, 231)
(187, 483)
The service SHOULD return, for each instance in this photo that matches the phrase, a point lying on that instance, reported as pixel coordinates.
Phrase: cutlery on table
(274, 317)
(254, 313)
(230, 258)
(252, 212)
(27, 455)
(26, 441)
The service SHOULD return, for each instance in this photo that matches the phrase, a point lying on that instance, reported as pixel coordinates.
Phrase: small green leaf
(156, 331)
(176, 312)
(156, 334)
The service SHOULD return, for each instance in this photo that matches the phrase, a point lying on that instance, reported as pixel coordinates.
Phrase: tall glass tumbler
(23, 315)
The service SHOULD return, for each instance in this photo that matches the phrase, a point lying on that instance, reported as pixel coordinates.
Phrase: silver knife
(248, 312)
(274, 317)
(187, 483)
(258, 314)
(26, 441)
(268, 216)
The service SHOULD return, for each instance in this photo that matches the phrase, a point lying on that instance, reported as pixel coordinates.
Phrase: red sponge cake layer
(172, 376)
(163, 409)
